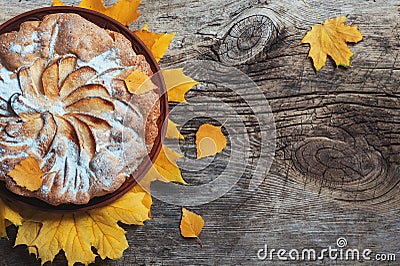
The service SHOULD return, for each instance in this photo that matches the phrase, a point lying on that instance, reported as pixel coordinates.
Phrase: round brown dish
(138, 47)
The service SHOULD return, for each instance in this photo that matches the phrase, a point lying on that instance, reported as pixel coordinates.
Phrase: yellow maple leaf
(70, 232)
(172, 131)
(109, 239)
(75, 233)
(27, 234)
(164, 169)
(209, 140)
(27, 174)
(147, 200)
(125, 11)
(157, 43)
(191, 224)
(329, 38)
(125, 209)
(177, 84)
(8, 214)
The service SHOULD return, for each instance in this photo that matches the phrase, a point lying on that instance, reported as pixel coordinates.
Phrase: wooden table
(336, 169)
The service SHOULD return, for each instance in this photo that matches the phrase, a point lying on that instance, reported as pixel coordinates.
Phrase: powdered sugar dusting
(26, 49)
(103, 62)
(15, 48)
(53, 40)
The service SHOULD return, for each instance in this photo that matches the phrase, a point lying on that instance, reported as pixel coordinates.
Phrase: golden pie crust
(63, 101)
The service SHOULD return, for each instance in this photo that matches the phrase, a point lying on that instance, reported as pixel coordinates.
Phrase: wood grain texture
(337, 160)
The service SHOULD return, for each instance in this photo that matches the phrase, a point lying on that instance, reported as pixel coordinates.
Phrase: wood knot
(345, 166)
(246, 38)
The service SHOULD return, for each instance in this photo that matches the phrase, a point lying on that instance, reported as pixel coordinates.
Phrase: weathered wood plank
(336, 168)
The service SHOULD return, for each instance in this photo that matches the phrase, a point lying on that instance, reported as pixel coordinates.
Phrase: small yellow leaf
(8, 214)
(138, 82)
(191, 224)
(27, 174)
(172, 131)
(157, 43)
(147, 200)
(125, 11)
(164, 169)
(329, 38)
(166, 166)
(177, 84)
(209, 140)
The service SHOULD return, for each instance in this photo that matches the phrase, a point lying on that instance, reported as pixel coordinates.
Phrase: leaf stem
(200, 242)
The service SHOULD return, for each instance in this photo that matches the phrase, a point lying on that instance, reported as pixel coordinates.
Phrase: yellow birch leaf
(138, 82)
(177, 84)
(209, 140)
(125, 11)
(157, 43)
(27, 174)
(330, 38)
(173, 131)
(8, 214)
(191, 224)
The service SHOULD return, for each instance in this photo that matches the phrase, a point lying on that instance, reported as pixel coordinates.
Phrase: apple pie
(64, 102)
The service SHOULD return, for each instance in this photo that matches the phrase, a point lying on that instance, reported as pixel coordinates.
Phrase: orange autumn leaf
(8, 214)
(138, 82)
(330, 38)
(27, 174)
(173, 131)
(209, 140)
(157, 43)
(177, 84)
(191, 224)
(125, 11)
